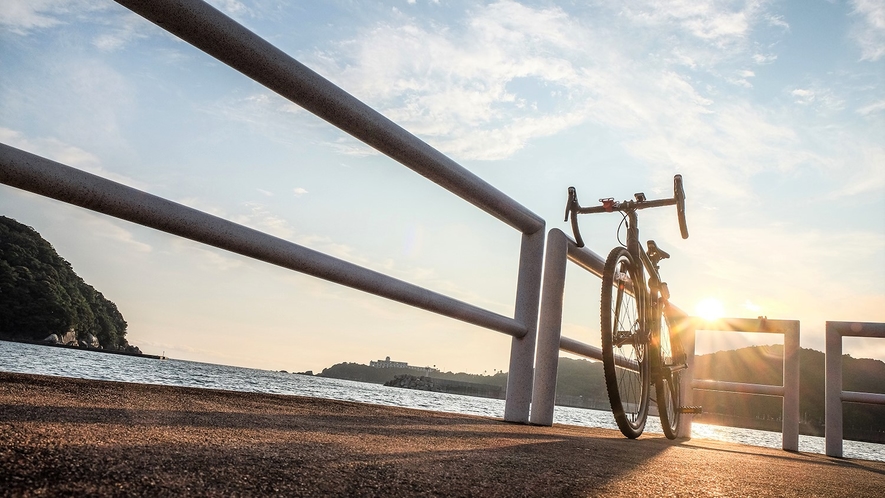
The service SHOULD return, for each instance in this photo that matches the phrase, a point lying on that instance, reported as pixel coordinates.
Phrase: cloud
(821, 98)
(860, 170)
(261, 219)
(508, 73)
(265, 113)
(120, 30)
(872, 108)
(803, 96)
(23, 16)
(742, 78)
(299, 191)
(111, 230)
(869, 29)
(455, 88)
(710, 20)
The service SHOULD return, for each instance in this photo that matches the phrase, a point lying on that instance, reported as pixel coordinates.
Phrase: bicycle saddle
(655, 253)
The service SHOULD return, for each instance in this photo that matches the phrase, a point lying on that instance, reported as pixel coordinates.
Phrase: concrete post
(833, 396)
(522, 349)
(550, 329)
(790, 429)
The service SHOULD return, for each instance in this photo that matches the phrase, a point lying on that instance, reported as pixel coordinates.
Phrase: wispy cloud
(872, 108)
(823, 98)
(119, 31)
(457, 88)
(24, 17)
(511, 73)
(869, 30)
(720, 22)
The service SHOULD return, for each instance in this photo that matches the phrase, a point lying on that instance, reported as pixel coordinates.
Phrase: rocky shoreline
(83, 346)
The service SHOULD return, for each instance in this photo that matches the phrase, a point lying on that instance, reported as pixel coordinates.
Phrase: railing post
(790, 427)
(689, 336)
(522, 349)
(833, 397)
(790, 389)
(550, 329)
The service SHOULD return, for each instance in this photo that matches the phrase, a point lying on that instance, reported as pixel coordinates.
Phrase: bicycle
(638, 345)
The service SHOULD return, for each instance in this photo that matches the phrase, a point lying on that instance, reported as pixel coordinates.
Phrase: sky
(773, 112)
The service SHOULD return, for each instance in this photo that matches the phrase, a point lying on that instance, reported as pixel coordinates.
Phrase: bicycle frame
(651, 293)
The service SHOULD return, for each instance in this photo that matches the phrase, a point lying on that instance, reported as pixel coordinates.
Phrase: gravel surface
(66, 437)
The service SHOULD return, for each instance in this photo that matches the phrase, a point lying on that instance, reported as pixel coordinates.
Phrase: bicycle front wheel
(624, 342)
(669, 394)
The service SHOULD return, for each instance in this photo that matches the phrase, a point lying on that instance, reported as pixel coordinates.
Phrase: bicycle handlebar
(574, 208)
(679, 195)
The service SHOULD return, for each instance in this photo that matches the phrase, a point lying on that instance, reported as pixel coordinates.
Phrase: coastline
(65, 436)
(78, 348)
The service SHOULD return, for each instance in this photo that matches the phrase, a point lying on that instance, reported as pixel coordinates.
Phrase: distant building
(387, 363)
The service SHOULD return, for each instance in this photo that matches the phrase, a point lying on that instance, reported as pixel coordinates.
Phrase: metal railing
(208, 29)
(835, 396)
(789, 391)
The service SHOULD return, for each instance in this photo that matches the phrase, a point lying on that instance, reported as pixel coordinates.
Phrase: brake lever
(572, 209)
(572, 200)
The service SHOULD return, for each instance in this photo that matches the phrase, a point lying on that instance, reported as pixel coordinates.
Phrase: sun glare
(710, 309)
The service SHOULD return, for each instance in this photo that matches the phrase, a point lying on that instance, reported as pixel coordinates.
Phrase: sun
(710, 309)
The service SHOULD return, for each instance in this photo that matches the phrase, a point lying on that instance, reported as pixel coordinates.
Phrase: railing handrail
(218, 35)
(48, 178)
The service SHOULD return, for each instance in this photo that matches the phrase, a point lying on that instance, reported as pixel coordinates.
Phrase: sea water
(64, 362)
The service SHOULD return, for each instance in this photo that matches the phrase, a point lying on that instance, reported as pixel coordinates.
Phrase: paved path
(78, 437)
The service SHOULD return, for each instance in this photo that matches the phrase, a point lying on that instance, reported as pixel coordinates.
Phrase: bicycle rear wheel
(624, 344)
(667, 383)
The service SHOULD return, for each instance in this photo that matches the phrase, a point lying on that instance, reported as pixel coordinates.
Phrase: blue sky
(773, 111)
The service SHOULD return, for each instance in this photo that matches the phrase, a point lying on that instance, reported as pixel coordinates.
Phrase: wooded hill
(40, 294)
(364, 373)
(764, 365)
(581, 383)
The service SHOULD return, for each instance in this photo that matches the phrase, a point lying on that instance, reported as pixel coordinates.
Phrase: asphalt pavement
(75, 437)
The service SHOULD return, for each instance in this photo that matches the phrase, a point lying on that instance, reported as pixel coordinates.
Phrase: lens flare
(710, 309)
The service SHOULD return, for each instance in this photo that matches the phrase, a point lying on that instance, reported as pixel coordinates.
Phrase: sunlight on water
(26, 358)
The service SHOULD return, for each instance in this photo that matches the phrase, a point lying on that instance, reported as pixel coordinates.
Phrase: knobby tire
(622, 336)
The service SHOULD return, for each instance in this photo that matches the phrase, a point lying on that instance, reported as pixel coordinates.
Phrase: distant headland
(45, 301)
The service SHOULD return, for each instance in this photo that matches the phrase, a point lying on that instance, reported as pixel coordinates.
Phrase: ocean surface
(63, 362)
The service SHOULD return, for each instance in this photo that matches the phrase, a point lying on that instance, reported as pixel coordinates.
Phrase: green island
(43, 300)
